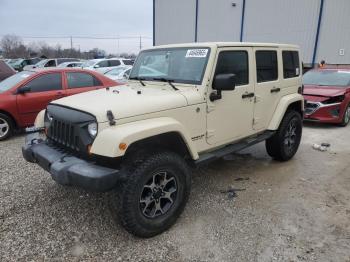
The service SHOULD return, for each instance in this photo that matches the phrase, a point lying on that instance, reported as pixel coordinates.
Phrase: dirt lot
(295, 211)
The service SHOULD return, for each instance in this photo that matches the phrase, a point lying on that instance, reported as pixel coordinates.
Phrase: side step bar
(232, 148)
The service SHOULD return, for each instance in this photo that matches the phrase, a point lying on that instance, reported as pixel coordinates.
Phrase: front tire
(6, 127)
(346, 118)
(155, 194)
(283, 145)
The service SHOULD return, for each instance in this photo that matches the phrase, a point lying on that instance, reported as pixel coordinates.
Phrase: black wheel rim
(291, 136)
(158, 194)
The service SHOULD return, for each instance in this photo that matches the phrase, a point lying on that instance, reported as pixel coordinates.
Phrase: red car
(327, 95)
(25, 94)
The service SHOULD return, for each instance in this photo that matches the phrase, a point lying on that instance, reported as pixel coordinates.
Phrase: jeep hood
(125, 100)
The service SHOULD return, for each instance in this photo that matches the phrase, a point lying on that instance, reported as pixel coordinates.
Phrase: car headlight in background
(92, 129)
(333, 100)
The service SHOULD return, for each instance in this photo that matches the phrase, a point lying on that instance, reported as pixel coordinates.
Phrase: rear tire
(6, 127)
(346, 118)
(283, 145)
(154, 194)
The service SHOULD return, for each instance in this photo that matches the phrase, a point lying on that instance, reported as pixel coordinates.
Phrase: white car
(50, 63)
(102, 65)
(71, 64)
(119, 74)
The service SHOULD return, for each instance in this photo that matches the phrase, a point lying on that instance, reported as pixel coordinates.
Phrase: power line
(84, 37)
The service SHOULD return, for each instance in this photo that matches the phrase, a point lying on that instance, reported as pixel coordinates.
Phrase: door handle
(248, 95)
(275, 90)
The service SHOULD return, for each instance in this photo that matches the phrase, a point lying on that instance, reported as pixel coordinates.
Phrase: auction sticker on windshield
(197, 53)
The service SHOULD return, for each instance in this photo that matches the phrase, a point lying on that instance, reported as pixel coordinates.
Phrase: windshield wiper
(169, 81)
(140, 79)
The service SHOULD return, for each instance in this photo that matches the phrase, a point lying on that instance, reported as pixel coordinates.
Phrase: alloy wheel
(4, 127)
(290, 138)
(347, 115)
(158, 194)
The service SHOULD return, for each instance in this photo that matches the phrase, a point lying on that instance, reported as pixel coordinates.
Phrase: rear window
(114, 63)
(266, 66)
(291, 67)
(128, 62)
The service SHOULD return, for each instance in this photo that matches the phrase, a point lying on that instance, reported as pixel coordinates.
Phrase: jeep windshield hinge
(110, 118)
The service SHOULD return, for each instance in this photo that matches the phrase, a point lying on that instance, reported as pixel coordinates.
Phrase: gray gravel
(294, 211)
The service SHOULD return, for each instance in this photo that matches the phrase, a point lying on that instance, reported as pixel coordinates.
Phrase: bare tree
(13, 46)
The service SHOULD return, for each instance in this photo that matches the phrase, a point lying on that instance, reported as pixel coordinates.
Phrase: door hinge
(210, 107)
(210, 132)
(257, 99)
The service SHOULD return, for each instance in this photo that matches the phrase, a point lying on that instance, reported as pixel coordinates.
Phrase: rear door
(267, 87)
(43, 89)
(78, 82)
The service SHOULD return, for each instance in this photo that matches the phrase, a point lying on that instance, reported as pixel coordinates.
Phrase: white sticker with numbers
(197, 53)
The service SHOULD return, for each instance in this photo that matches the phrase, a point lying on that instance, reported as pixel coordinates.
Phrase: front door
(42, 90)
(230, 118)
(268, 86)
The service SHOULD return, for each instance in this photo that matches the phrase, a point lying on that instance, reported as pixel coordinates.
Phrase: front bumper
(326, 113)
(66, 169)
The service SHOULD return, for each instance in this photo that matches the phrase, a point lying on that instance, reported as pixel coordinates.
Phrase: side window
(76, 80)
(234, 62)
(291, 66)
(47, 82)
(103, 63)
(50, 63)
(266, 66)
(114, 63)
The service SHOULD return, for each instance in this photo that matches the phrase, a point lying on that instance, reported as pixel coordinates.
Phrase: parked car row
(25, 94)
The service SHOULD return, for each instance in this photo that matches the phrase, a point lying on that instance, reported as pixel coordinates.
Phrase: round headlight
(49, 116)
(92, 129)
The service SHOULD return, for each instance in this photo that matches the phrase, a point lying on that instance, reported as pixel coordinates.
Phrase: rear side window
(114, 63)
(291, 66)
(47, 82)
(77, 80)
(128, 62)
(234, 62)
(266, 66)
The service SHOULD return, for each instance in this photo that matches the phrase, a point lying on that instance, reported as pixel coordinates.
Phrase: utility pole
(71, 44)
(118, 51)
(140, 42)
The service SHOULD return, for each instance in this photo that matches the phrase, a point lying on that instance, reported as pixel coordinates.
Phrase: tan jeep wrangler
(184, 105)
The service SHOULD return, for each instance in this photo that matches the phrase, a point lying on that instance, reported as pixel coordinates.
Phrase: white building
(320, 27)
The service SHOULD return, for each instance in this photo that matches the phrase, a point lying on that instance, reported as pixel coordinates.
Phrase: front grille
(67, 129)
(64, 134)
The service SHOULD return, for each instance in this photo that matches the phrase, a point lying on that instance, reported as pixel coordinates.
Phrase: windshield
(181, 65)
(327, 78)
(115, 71)
(88, 63)
(10, 82)
(41, 63)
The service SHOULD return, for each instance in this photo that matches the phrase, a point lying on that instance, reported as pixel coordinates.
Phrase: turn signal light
(122, 146)
(89, 149)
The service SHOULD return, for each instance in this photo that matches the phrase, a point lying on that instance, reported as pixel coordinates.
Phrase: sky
(86, 18)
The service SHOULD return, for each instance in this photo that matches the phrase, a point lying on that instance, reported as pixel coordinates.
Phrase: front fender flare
(108, 140)
(282, 107)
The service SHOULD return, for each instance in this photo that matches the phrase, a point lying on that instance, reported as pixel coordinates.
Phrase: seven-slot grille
(64, 134)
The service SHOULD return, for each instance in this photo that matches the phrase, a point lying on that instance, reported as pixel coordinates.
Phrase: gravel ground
(294, 211)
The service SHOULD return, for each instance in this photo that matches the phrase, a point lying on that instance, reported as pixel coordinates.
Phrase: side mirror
(96, 66)
(222, 82)
(22, 90)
